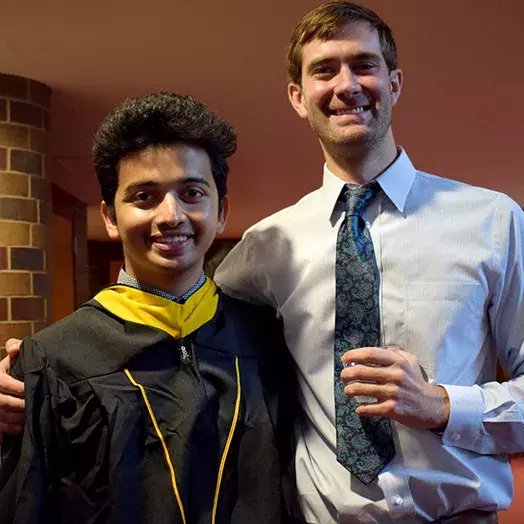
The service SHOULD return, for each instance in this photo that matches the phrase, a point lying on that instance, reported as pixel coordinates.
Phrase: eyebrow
(363, 55)
(131, 188)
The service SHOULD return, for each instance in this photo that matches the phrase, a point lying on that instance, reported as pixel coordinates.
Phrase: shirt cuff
(465, 419)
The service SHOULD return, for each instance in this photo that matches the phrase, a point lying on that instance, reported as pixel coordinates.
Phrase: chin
(353, 140)
(345, 135)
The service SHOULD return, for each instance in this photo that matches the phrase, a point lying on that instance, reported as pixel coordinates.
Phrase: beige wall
(62, 268)
(461, 114)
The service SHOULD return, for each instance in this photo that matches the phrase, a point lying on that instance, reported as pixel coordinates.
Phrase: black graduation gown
(127, 424)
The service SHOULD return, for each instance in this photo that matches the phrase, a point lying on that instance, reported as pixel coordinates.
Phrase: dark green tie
(364, 445)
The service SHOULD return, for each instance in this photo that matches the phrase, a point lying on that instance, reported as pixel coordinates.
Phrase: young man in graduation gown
(159, 400)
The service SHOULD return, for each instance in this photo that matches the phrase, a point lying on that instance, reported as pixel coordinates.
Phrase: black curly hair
(160, 119)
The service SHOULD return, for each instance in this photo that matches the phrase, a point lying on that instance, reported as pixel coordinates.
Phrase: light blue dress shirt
(451, 265)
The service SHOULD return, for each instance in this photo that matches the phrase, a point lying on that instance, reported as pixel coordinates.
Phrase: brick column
(25, 206)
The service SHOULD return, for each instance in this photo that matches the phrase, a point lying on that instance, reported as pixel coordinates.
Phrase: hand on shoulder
(12, 405)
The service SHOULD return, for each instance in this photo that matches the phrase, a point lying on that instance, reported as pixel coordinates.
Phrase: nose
(347, 82)
(171, 210)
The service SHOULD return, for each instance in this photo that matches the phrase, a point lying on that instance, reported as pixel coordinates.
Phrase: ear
(396, 78)
(222, 216)
(109, 221)
(296, 97)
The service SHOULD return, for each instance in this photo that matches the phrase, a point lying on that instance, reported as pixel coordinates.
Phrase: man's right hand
(12, 405)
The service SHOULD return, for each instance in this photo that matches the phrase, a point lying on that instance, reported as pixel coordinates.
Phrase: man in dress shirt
(451, 297)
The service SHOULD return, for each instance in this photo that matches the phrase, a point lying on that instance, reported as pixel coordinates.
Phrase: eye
(364, 67)
(142, 199)
(324, 71)
(192, 193)
(142, 196)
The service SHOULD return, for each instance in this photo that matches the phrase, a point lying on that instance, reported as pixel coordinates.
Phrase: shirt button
(457, 437)
(368, 225)
(397, 501)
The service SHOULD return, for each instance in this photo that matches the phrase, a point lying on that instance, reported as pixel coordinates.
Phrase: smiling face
(346, 92)
(166, 214)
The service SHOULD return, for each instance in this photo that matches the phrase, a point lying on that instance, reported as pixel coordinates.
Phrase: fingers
(5, 363)
(10, 386)
(11, 429)
(12, 409)
(365, 373)
(9, 403)
(12, 346)
(380, 409)
(12, 405)
(12, 418)
(373, 355)
(382, 392)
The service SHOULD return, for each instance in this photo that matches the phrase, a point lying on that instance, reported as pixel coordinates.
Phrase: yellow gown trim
(179, 320)
(228, 443)
(164, 445)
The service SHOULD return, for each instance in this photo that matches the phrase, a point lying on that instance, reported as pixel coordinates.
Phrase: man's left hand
(401, 391)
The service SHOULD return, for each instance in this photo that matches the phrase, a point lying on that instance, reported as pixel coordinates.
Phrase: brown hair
(325, 22)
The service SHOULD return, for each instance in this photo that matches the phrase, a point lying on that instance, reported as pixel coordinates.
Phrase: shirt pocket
(443, 322)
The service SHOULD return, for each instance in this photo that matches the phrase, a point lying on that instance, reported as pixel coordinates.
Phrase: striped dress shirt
(451, 264)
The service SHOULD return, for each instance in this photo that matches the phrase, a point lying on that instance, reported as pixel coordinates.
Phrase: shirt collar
(395, 181)
(125, 278)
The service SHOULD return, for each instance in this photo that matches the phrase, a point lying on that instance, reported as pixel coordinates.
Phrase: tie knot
(358, 197)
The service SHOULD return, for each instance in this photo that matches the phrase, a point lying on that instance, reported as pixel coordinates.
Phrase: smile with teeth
(171, 240)
(351, 111)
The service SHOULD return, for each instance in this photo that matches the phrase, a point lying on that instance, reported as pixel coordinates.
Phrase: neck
(174, 284)
(360, 165)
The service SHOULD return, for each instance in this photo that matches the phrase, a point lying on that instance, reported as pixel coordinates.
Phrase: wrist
(442, 409)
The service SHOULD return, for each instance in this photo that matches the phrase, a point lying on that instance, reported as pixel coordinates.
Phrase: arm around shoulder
(25, 475)
(241, 274)
(12, 406)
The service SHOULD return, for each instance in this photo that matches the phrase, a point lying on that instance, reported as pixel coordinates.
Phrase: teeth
(352, 111)
(172, 240)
